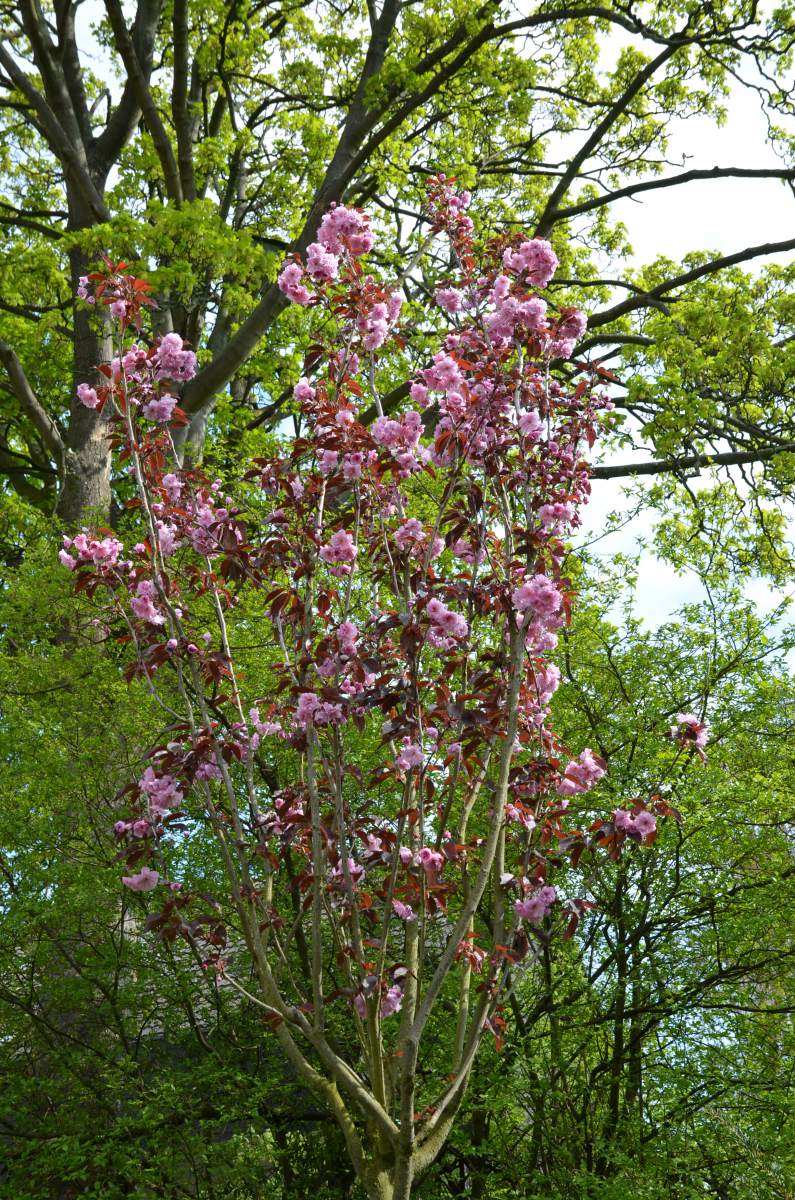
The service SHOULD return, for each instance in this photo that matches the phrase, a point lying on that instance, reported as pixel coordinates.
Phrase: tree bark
(85, 489)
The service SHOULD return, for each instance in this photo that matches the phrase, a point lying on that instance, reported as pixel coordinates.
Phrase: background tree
(212, 136)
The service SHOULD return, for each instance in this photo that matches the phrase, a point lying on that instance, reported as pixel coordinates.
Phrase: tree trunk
(85, 485)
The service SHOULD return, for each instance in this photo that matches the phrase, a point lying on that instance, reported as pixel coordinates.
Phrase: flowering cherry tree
(396, 823)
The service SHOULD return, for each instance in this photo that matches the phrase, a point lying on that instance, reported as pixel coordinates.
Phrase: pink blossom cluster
(87, 395)
(538, 595)
(401, 437)
(533, 260)
(160, 408)
(290, 283)
(163, 791)
(311, 709)
(690, 731)
(346, 229)
(581, 774)
(429, 861)
(391, 1002)
(535, 908)
(374, 322)
(143, 603)
(98, 551)
(446, 626)
(340, 550)
(144, 881)
(642, 824)
(173, 361)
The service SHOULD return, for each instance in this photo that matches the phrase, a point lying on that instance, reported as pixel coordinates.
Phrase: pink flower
(581, 774)
(444, 622)
(645, 823)
(173, 487)
(66, 560)
(431, 862)
(87, 395)
(536, 260)
(409, 534)
(118, 309)
(143, 603)
(640, 824)
(352, 465)
(290, 284)
(339, 548)
(556, 516)
(572, 324)
(167, 536)
(321, 264)
(144, 881)
(410, 756)
(160, 409)
(444, 375)
(163, 791)
(690, 729)
(374, 326)
(392, 1002)
(404, 911)
(303, 390)
(307, 705)
(172, 361)
(327, 461)
(450, 299)
(538, 593)
(347, 634)
(536, 907)
(345, 228)
(530, 425)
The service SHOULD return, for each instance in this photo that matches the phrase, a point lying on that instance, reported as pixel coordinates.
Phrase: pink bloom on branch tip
(303, 390)
(538, 593)
(144, 881)
(160, 409)
(172, 361)
(410, 756)
(321, 264)
(691, 729)
(536, 906)
(404, 911)
(340, 548)
(87, 395)
(535, 260)
(290, 284)
(143, 603)
(450, 299)
(581, 774)
(345, 229)
(392, 1002)
(642, 823)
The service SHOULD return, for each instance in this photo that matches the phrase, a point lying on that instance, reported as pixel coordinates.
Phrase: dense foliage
(647, 1055)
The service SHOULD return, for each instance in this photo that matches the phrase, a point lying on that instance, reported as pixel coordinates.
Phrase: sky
(721, 216)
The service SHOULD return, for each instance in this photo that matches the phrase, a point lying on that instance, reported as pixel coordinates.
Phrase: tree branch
(616, 110)
(67, 150)
(632, 189)
(730, 458)
(648, 298)
(33, 409)
(140, 82)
